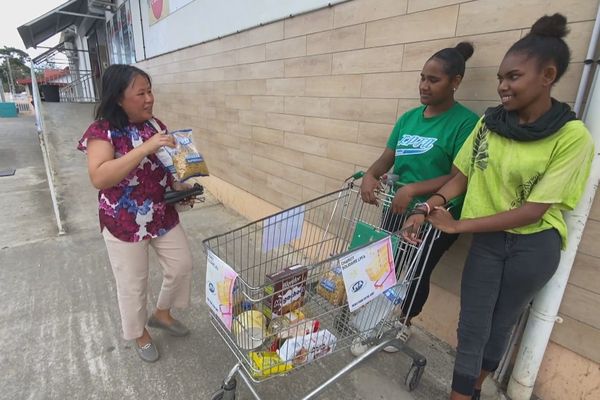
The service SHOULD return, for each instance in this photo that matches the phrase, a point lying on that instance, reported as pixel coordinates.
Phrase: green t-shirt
(426, 147)
(503, 174)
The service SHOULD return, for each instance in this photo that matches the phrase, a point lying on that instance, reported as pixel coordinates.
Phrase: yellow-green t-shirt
(503, 174)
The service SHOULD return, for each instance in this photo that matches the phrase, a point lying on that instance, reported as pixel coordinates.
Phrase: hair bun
(551, 26)
(465, 49)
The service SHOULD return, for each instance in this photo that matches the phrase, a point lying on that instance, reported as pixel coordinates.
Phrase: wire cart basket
(280, 293)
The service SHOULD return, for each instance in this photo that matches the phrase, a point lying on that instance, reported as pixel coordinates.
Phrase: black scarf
(506, 123)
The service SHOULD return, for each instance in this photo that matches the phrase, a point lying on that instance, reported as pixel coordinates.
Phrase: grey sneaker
(147, 352)
(174, 329)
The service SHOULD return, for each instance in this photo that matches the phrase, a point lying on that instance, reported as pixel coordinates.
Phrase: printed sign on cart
(368, 272)
(282, 228)
(220, 281)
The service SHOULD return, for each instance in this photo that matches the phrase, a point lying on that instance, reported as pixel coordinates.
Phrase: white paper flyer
(220, 281)
(368, 272)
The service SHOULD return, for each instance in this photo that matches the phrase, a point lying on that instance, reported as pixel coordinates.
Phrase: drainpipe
(544, 311)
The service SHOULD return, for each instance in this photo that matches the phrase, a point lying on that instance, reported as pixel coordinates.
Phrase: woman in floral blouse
(120, 146)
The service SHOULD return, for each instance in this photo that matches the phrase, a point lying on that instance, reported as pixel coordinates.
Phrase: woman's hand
(402, 199)
(412, 226)
(443, 220)
(179, 186)
(157, 141)
(368, 187)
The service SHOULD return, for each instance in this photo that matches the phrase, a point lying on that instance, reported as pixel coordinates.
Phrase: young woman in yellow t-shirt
(525, 162)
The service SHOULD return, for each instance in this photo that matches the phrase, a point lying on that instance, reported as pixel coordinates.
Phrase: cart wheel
(223, 394)
(218, 395)
(413, 377)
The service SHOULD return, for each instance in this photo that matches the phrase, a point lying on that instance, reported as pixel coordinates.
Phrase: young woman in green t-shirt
(421, 149)
(524, 163)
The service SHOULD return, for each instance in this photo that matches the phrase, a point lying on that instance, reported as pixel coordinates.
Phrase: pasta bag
(187, 161)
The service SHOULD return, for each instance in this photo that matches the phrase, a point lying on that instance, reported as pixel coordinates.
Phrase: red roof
(48, 77)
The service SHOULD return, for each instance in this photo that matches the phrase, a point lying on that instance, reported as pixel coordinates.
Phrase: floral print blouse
(134, 209)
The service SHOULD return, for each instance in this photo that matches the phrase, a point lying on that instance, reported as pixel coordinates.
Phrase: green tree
(18, 65)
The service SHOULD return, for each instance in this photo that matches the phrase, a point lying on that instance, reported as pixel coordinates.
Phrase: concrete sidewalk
(59, 324)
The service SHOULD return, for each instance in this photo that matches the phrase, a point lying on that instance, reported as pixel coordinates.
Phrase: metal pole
(2, 91)
(11, 82)
(43, 143)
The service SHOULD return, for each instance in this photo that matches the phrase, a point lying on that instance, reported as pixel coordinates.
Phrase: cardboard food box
(285, 290)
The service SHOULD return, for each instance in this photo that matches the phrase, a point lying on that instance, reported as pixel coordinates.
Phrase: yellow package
(266, 363)
(187, 161)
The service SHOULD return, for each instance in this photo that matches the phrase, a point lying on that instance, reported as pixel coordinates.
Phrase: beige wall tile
(253, 118)
(285, 122)
(420, 5)
(269, 69)
(221, 87)
(306, 144)
(335, 129)
(309, 194)
(358, 11)
(586, 272)
(253, 86)
(368, 110)
(308, 66)
(379, 59)
(281, 154)
(331, 168)
(266, 135)
(309, 106)
(589, 241)
(566, 88)
(251, 54)
(582, 305)
(440, 23)
(374, 134)
(215, 125)
(390, 85)
(406, 104)
(286, 87)
(493, 16)
(578, 39)
(239, 130)
(267, 103)
(478, 107)
(334, 86)
(298, 176)
(358, 154)
(262, 34)
(289, 48)
(241, 102)
(595, 211)
(228, 114)
(479, 84)
(489, 49)
(317, 21)
(348, 38)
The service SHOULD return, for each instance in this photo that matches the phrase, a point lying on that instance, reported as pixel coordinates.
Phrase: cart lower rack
(313, 281)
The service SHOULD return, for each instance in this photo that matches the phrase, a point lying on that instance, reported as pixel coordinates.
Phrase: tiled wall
(288, 110)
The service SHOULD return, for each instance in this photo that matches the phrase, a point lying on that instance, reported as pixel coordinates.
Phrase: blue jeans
(502, 273)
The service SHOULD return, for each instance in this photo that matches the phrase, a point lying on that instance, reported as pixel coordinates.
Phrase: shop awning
(55, 21)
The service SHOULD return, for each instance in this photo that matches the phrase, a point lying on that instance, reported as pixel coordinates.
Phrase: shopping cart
(277, 293)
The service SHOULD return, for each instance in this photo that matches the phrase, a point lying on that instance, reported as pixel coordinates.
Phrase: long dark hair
(115, 80)
(545, 43)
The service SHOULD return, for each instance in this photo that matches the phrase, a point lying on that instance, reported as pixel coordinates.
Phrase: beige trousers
(130, 265)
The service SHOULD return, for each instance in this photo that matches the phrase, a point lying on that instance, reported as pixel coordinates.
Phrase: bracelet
(427, 206)
(442, 196)
(416, 211)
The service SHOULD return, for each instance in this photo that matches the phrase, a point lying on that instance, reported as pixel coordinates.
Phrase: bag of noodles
(187, 161)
